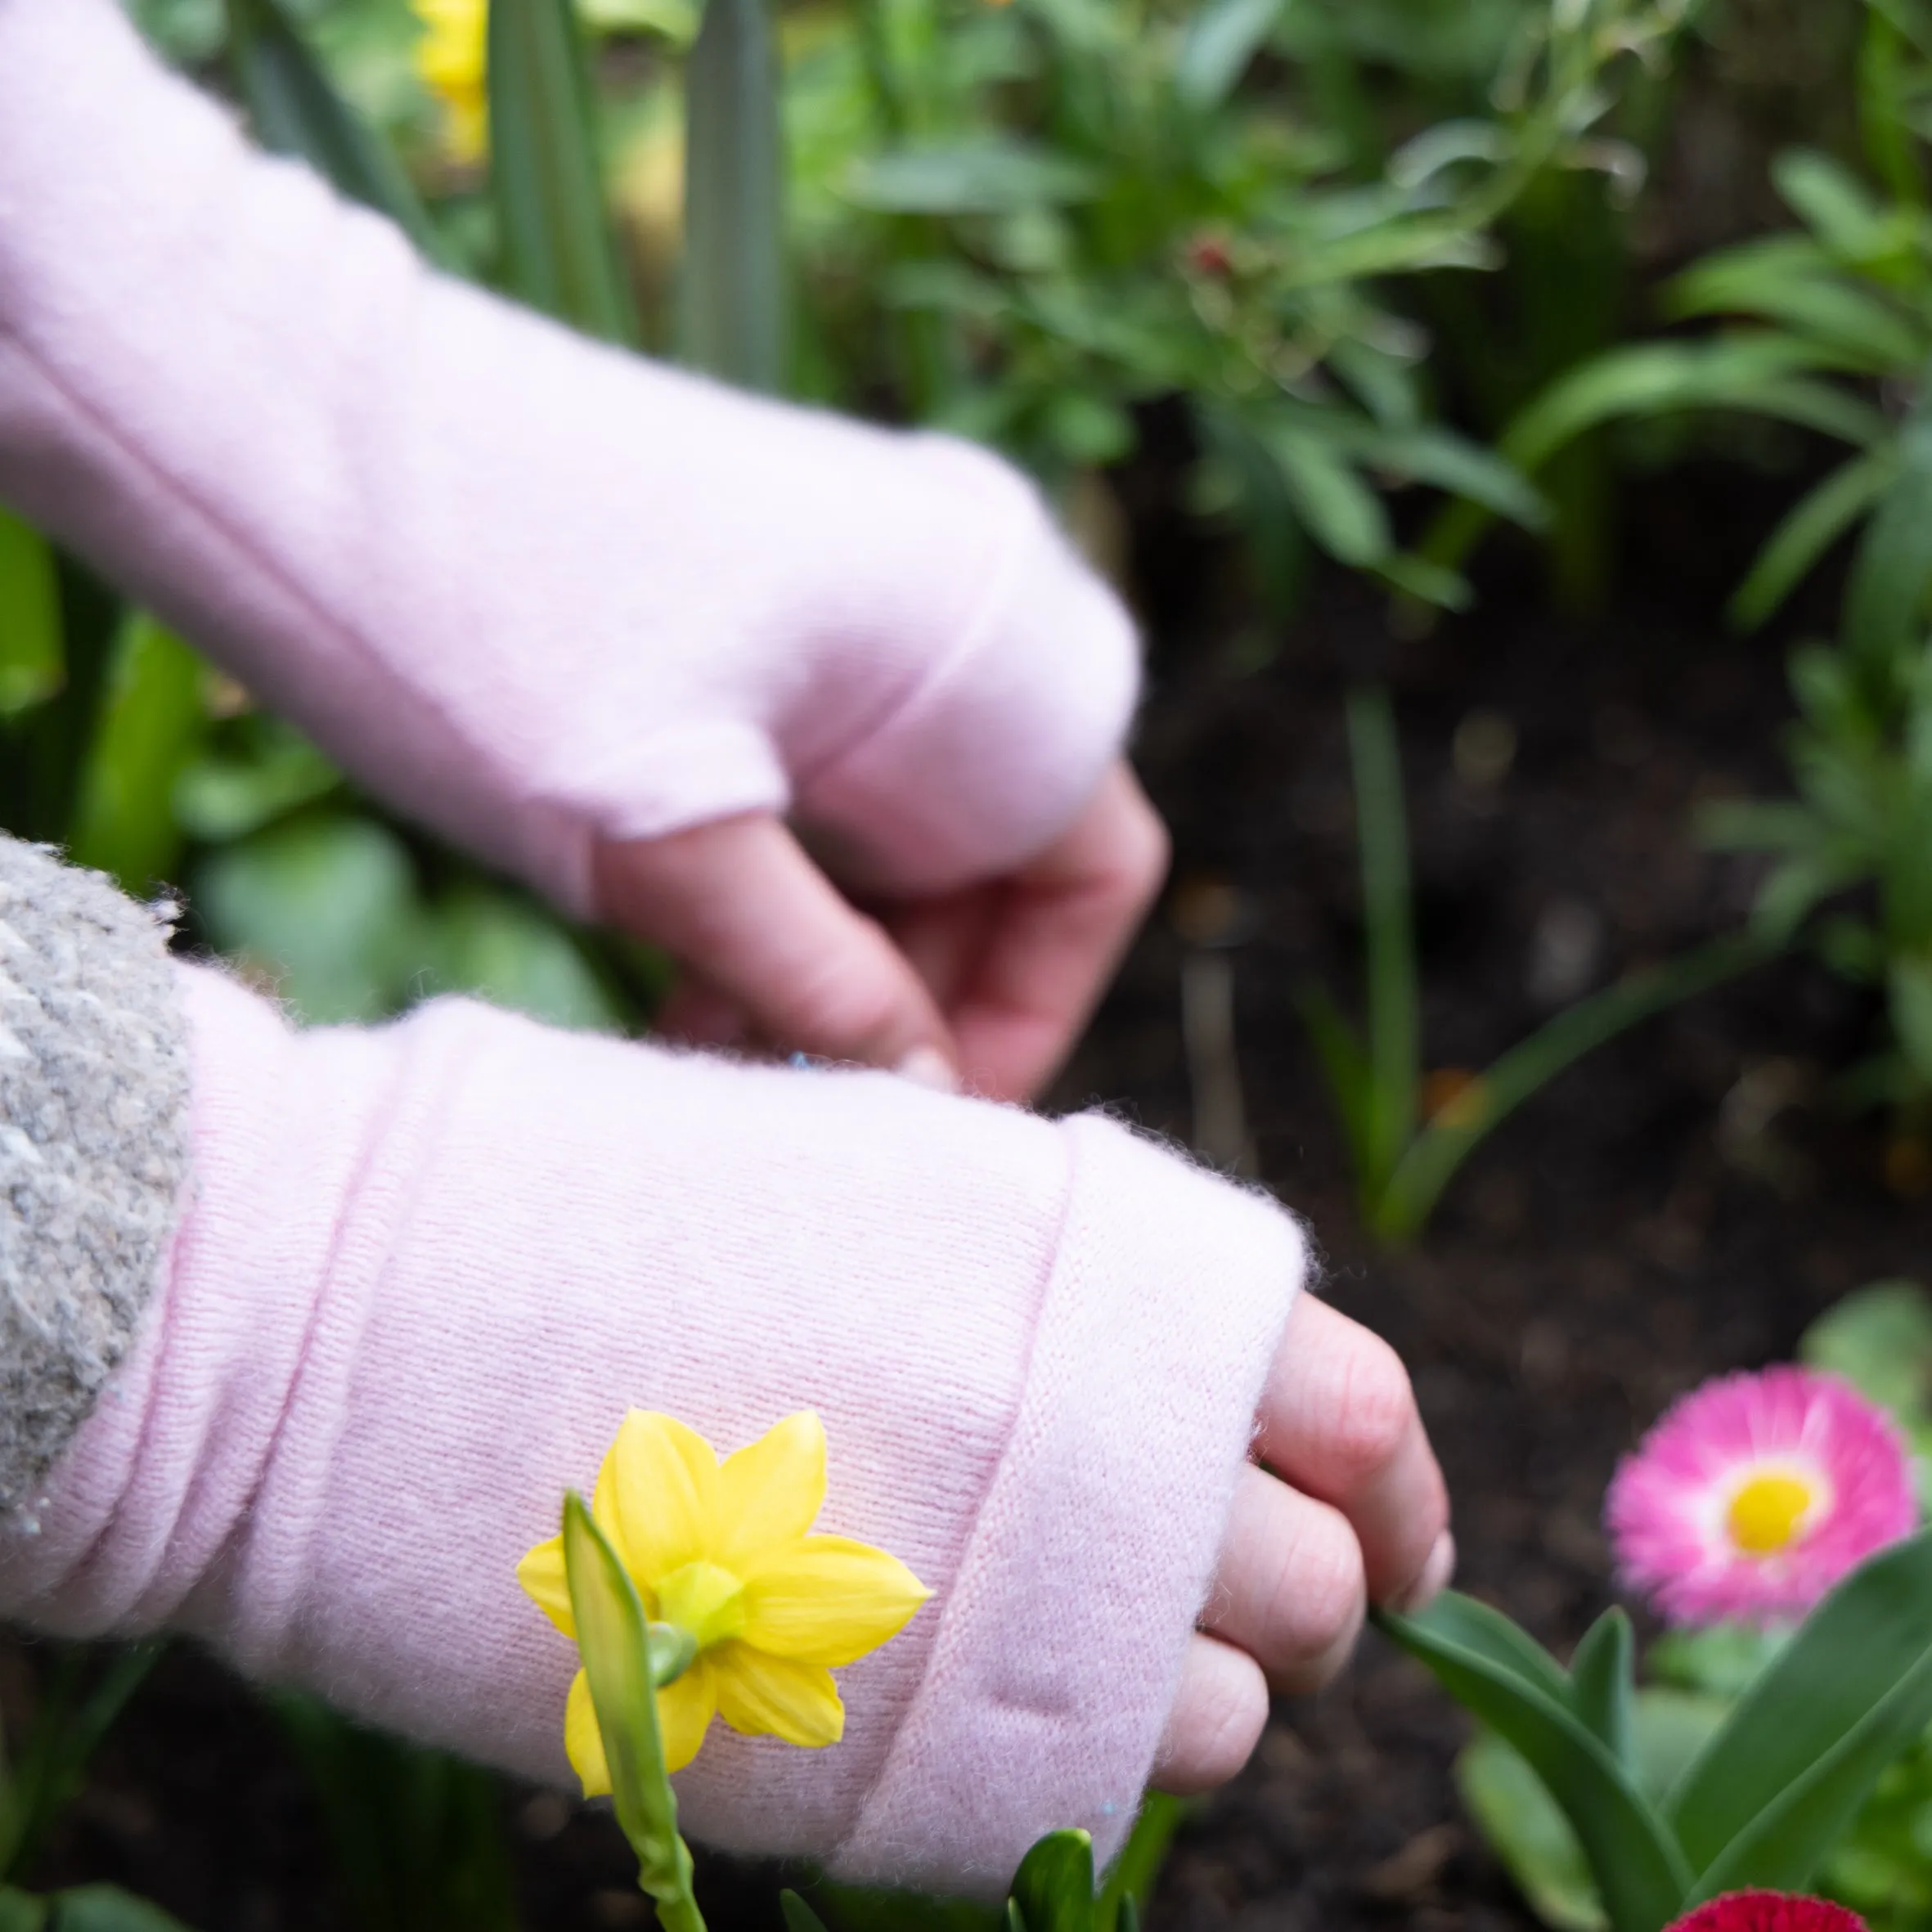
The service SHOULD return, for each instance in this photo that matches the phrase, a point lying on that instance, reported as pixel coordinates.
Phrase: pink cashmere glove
(537, 592)
(421, 1273)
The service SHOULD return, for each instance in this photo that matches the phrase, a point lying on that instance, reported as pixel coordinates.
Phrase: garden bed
(1682, 1202)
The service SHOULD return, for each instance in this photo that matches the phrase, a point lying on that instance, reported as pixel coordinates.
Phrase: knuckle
(1225, 1723)
(1320, 1591)
(1373, 1409)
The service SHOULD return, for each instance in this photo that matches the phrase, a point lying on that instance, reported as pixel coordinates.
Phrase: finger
(1060, 926)
(738, 902)
(700, 1013)
(1339, 1423)
(1220, 1711)
(1289, 1588)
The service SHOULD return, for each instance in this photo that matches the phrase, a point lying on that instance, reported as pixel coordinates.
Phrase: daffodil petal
(762, 1694)
(582, 1739)
(542, 1576)
(770, 1492)
(828, 1600)
(656, 1495)
(685, 1708)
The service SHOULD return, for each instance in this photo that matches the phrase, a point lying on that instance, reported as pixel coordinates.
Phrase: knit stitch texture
(534, 590)
(424, 1272)
(93, 1145)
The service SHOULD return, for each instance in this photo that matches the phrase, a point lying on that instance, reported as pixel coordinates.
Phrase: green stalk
(544, 171)
(620, 1652)
(1441, 1147)
(1394, 1025)
(732, 284)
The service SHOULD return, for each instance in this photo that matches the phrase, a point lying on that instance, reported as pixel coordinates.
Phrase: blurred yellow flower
(722, 1550)
(451, 57)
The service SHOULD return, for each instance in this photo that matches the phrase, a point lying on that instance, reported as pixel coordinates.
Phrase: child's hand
(1353, 1511)
(988, 984)
(604, 624)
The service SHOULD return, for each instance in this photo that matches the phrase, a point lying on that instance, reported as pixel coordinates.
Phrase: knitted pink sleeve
(534, 589)
(423, 1273)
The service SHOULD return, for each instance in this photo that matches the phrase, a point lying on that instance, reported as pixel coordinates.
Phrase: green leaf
(1766, 1798)
(1525, 1826)
(798, 1915)
(152, 720)
(78, 1706)
(1130, 1879)
(107, 1908)
(1639, 1872)
(1885, 598)
(1345, 1065)
(1908, 988)
(1219, 40)
(1330, 500)
(1447, 1141)
(1831, 201)
(1053, 1887)
(20, 1912)
(31, 664)
(501, 948)
(325, 909)
(1394, 1002)
(295, 109)
(544, 170)
(223, 797)
(614, 1643)
(1817, 520)
(1601, 1688)
(1879, 1339)
(1787, 281)
(732, 314)
(992, 176)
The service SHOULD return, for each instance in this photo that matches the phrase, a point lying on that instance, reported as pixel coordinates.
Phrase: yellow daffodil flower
(722, 1550)
(450, 59)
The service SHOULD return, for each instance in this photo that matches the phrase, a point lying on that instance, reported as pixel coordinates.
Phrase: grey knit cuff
(93, 1144)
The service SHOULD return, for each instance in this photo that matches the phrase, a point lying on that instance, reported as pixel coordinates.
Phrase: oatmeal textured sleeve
(313, 1402)
(534, 589)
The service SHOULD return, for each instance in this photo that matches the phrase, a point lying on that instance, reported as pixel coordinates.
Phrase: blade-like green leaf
(1329, 499)
(1816, 522)
(1829, 199)
(1345, 1065)
(993, 176)
(1130, 1878)
(152, 719)
(731, 283)
(1221, 37)
(20, 1912)
(1525, 1826)
(545, 174)
(1446, 1142)
(1602, 1686)
(1053, 1887)
(1500, 1643)
(1885, 600)
(613, 1641)
(31, 662)
(107, 1908)
(1639, 1872)
(296, 109)
(1394, 1003)
(1879, 1340)
(798, 1915)
(1762, 1803)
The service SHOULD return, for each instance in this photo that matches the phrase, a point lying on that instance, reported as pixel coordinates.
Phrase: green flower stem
(625, 1659)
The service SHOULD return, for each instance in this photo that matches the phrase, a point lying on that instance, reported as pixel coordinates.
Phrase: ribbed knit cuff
(1054, 1669)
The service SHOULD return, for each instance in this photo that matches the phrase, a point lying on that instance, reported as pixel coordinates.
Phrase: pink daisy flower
(1754, 1495)
(1769, 1911)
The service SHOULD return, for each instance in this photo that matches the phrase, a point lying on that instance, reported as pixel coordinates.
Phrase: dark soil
(1682, 1202)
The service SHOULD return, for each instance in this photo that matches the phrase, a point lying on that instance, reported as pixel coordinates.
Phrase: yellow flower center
(703, 1599)
(1765, 1514)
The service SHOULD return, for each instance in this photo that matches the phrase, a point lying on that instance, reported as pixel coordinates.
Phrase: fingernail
(927, 1067)
(1434, 1580)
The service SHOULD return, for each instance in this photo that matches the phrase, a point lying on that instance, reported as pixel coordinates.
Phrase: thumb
(740, 903)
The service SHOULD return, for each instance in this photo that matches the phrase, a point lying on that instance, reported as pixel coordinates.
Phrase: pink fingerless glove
(535, 590)
(421, 1273)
